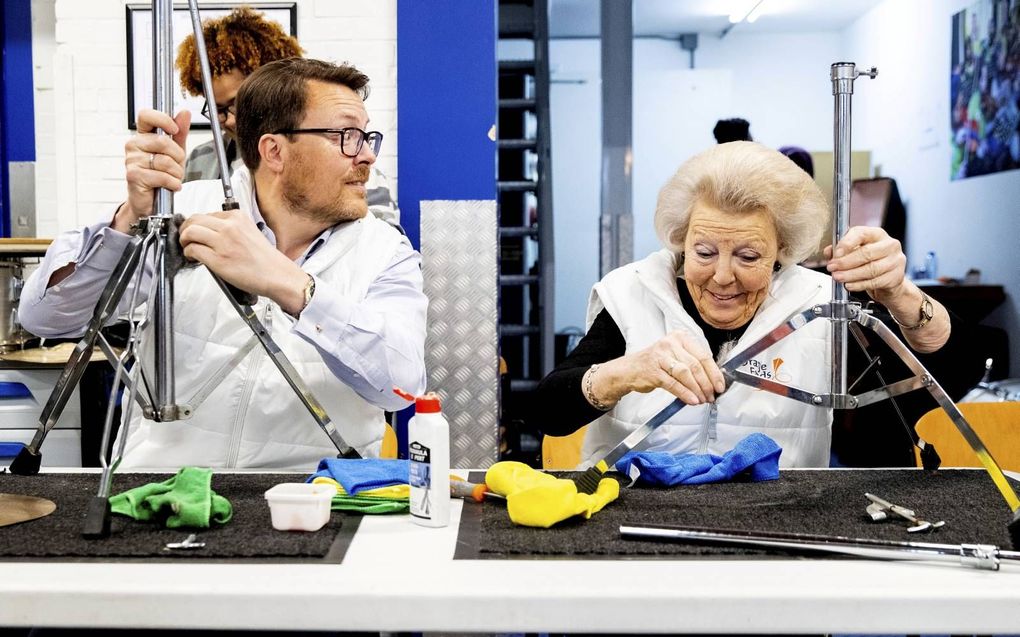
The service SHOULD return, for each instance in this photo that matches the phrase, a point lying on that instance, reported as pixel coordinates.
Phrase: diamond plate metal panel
(459, 243)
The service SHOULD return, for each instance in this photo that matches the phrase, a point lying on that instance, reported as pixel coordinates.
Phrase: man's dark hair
(732, 130)
(275, 97)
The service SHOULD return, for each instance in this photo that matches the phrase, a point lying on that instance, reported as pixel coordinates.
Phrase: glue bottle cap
(427, 404)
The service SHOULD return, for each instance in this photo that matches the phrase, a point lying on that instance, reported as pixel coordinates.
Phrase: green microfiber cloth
(368, 504)
(185, 500)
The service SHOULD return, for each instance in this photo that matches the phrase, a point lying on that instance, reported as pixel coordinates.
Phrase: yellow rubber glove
(534, 498)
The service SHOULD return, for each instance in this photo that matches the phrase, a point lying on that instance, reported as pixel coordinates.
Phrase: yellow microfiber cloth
(392, 499)
(534, 498)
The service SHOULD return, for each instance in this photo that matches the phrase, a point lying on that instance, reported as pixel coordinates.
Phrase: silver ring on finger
(673, 365)
(152, 159)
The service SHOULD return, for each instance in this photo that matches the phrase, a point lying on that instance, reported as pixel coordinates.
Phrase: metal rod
(210, 100)
(842, 75)
(983, 556)
(162, 92)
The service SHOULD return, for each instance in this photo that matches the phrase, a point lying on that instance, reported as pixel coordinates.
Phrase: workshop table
(398, 576)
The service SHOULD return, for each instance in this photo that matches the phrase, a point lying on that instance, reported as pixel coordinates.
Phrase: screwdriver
(460, 488)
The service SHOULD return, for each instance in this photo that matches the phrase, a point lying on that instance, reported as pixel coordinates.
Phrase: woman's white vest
(252, 418)
(642, 299)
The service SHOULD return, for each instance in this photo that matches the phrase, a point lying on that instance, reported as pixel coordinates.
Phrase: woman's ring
(152, 158)
(673, 365)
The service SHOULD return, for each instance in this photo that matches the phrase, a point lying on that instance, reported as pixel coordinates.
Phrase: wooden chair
(997, 424)
(563, 452)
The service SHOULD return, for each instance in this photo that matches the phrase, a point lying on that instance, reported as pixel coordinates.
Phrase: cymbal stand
(156, 237)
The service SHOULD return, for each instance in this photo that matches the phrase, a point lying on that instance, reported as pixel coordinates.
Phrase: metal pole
(842, 75)
(162, 94)
(616, 221)
(210, 99)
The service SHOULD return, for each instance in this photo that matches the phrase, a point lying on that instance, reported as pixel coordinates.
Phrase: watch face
(927, 309)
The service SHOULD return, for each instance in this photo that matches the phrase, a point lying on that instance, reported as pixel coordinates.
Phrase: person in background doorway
(732, 130)
(800, 157)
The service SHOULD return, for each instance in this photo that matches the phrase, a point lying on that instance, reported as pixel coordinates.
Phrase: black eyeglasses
(351, 139)
(222, 112)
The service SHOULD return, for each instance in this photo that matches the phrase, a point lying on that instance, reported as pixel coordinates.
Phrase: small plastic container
(300, 506)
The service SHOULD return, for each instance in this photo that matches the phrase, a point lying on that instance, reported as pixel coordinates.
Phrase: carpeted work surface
(248, 535)
(828, 502)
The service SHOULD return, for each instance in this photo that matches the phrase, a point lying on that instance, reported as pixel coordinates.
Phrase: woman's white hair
(742, 177)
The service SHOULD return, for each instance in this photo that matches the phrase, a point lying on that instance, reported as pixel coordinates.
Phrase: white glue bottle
(428, 449)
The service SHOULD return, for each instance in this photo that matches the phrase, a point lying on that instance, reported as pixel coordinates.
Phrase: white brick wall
(80, 58)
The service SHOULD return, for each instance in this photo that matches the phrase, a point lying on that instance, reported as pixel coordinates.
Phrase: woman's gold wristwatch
(925, 314)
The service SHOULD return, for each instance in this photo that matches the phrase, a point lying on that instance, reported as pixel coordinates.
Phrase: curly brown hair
(242, 40)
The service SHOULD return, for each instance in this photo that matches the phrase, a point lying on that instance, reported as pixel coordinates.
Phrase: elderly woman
(735, 221)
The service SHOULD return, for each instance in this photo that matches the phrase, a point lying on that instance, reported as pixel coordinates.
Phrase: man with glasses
(237, 44)
(340, 291)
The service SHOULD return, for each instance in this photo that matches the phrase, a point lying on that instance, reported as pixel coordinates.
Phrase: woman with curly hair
(237, 44)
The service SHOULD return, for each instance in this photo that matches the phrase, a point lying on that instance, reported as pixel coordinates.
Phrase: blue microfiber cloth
(755, 458)
(363, 474)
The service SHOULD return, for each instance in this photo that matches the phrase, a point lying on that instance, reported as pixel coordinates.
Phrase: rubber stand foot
(25, 463)
(97, 519)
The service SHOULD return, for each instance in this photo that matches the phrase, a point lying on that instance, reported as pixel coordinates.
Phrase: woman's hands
(678, 363)
(867, 259)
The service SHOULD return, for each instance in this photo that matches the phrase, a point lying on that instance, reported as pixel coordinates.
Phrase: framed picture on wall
(139, 51)
(984, 89)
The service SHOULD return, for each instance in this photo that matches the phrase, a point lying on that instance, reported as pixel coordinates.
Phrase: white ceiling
(580, 18)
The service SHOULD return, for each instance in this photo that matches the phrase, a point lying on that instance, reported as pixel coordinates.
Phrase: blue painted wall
(17, 119)
(446, 105)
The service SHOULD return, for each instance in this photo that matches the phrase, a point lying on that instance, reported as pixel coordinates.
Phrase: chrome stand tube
(983, 556)
(165, 406)
(214, 113)
(842, 75)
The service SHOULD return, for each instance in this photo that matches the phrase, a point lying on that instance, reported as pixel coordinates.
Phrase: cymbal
(47, 355)
(23, 246)
(22, 508)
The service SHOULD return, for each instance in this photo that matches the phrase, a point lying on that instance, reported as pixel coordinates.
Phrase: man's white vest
(642, 299)
(252, 418)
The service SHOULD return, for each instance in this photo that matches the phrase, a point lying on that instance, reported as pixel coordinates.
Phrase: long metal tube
(162, 93)
(210, 99)
(983, 556)
(842, 75)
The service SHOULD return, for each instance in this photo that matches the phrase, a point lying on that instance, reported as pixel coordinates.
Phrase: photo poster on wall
(984, 89)
(139, 51)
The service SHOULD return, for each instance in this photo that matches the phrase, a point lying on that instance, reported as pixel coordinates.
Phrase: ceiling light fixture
(755, 12)
(750, 15)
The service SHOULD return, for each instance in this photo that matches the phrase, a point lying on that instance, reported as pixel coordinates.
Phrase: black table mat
(248, 536)
(825, 502)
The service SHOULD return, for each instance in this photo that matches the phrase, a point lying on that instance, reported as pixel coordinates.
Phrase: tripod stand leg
(29, 458)
(947, 404)
(98, 513)
(930, 459)
(290, 374)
